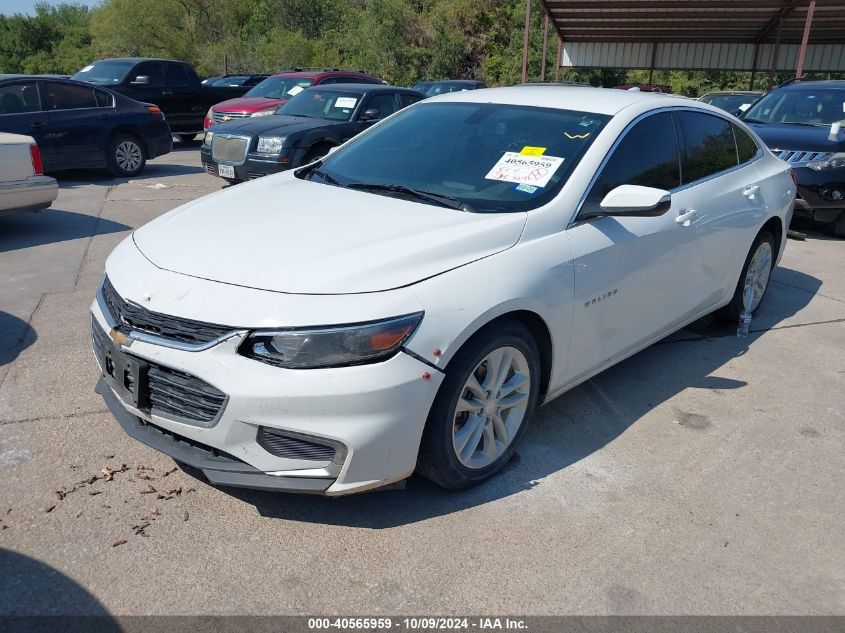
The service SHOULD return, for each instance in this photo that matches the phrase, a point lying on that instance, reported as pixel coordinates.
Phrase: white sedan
(407, 302)
(23, 185)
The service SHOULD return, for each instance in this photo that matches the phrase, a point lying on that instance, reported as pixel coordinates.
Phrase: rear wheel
(482, 407)
(839, 225)
(754, 279)
(126, 156)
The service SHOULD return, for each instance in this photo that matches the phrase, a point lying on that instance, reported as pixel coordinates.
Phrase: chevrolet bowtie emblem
(119, 338)
(227, 118)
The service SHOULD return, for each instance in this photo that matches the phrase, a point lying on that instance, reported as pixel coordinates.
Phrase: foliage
(401, 41)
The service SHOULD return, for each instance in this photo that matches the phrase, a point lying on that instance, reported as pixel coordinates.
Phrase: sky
(8, 7)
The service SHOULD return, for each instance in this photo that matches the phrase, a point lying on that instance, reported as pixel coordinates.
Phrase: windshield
(279, 87)
(441, 87)
(729, 103)
(322, 104)
(492, 157)
(235, 80)
(811, 107)
(106, 72)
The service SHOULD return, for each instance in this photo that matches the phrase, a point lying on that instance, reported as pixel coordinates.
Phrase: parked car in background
(210, 80)
(267, 96)
(443, 86)
(239, 80)
(802, 123)
(408, 301)
(23, 185)
(644, 88)
(77, 125)
(733, 101)
(171, 85)
(301, 131)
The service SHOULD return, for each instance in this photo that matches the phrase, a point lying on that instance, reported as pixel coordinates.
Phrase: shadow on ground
(23, 230)
(32, 591)
(15, 336)
(571, 427)
(79, 178)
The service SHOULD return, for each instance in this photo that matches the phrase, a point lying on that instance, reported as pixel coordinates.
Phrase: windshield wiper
(326, 177)
(446, 201)
(749, 120)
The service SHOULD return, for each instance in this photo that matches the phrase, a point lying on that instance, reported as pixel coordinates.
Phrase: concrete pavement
(702, 476)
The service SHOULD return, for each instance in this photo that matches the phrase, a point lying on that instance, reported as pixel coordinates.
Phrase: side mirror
(141, 80)
(635, 200)
(370, 115)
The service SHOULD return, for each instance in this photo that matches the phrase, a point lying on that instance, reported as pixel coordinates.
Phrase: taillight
(794, 175)
(208, 121)
(35, 154)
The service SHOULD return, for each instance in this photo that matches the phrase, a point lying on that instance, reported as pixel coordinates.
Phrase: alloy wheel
(491, 407)
(757, 277)
(128, 156)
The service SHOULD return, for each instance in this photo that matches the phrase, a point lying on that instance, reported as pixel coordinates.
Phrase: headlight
(270, 144)
(263, 113)
(834, 162)
(331, 346)
(208, 136)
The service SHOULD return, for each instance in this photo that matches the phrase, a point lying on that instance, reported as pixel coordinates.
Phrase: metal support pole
(754, 66)
(525, 42)
(808, 23)
(545, 44)
(557, 59)
(775, 53)
(653, 61)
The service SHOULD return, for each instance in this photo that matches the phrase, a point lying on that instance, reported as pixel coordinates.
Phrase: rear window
(807, 105)
(279, 87)
(746, 147)
(708, 144)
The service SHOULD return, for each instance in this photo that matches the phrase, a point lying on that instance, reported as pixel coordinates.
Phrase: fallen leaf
(155, 511)
(146, 477)
(107, 474)
(95, 492)
(171, 471)
(120, 542)
(50, 509)
(148, 490)
(173, 491)
(60, 494)
(109, 456)
(79, 514)
(185, 515)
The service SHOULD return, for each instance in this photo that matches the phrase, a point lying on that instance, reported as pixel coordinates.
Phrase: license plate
(226, 171)
(126, 375)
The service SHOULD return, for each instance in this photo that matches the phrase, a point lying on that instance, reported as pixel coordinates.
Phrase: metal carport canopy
(700, 34)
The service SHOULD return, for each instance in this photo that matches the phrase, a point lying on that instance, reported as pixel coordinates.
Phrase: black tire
(315, 153)
(838, 227)
(186, 138)
(118, 147)
(733, 310)
(437, 460)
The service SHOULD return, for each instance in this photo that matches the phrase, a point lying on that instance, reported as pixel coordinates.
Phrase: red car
(267, 96)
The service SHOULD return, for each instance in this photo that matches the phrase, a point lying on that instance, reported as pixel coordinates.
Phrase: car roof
(580, 98)
(367, 88)
(733, 92)
(23, 76)
(313, 74)
(138, 59)
(838, 84)
(450, 81)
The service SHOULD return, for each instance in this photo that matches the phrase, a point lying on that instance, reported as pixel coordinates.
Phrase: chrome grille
(179, 396)
(135, 317)
(281, 445)
(798, 157)
(229, 149)
(223, 117)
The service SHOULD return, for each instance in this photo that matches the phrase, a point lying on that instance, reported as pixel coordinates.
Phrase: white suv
(408, 301)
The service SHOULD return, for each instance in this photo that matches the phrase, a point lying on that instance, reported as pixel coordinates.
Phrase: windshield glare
(279, 88)
(729, 103)
(814, 107)
(110, 72)
(492, 157)
(322, 104)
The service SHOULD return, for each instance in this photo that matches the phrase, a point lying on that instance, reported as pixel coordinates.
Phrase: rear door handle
(750, 190)
(685, 218)
(37, 125)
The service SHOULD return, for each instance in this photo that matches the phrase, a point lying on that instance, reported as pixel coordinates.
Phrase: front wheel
(482, 407)
(754, 279)
(126, 155)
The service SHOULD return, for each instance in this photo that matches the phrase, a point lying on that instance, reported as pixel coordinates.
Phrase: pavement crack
(812, 292)
(708, 337)
(91, 237)
(78, 414)
(16, 346)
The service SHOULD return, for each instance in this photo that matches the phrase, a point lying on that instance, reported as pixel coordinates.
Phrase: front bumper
(255, 165)
(821, 194)
(375, 412)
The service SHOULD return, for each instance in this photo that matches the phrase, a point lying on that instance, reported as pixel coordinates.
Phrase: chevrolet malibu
(408, 301)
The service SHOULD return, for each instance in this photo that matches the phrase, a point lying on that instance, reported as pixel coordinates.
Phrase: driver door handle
(750, 190)
(685, 218)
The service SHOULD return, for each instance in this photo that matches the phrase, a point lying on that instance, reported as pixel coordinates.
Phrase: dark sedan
(301, 131)
(444, 86)
(78, 126)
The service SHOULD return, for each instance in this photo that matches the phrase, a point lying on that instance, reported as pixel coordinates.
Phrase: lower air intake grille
(293, 447)
(179, 396)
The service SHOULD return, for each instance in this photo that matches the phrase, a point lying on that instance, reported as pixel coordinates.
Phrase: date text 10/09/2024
(417, 624)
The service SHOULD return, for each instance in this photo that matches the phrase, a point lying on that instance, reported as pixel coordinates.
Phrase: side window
(152, 70)
(385, 104)
(19, 98)
(328, 80)
(746, 147)
(177, 76)
(104, 99)
(647, 156)
(407, 100)
(60, 96)
(708, 145)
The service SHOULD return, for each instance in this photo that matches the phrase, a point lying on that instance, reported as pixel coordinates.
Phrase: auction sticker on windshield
(528, 170)
(345, 102)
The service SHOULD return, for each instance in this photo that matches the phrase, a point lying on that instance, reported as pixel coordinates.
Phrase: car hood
(282, 124)
(283, 234)
(248, 104)
(796, 137)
